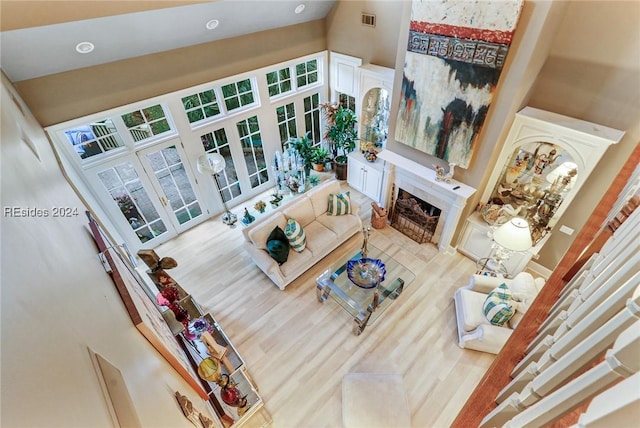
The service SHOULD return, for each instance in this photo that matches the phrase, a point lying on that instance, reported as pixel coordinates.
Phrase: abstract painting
(455, 54)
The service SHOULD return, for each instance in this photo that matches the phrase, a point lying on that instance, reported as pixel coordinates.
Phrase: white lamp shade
(210, 163)
(514, 235)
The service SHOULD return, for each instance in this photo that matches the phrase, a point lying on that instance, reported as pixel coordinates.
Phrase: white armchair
(474, 330)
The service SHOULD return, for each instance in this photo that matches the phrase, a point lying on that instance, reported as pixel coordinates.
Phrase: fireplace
(406, 175)
(414, 217)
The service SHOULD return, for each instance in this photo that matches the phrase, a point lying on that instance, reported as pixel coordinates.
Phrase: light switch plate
(566, 230)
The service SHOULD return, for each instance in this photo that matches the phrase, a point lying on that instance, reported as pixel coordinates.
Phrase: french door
(173, 183)
(151, 194)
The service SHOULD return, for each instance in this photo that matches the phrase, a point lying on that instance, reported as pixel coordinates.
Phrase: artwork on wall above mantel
(455, 54)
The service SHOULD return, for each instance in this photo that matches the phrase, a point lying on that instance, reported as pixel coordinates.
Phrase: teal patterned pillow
(339, 204)
(498, 306)
(296, 236)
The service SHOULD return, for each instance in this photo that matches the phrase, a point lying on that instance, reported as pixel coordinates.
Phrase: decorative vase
(229, 393)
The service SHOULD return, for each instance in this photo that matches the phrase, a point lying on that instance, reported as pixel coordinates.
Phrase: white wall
(57, 300)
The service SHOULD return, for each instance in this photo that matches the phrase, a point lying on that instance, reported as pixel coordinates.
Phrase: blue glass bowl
(365, 272)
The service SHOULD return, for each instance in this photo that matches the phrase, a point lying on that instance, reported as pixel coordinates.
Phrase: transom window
(94, 138)
(238, 94)
(286, 122)
(307, 73)
(202, 105)
(279, 82)
(146, 123)
(312, 118)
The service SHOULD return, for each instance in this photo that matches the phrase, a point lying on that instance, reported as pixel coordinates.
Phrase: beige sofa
(324, 232)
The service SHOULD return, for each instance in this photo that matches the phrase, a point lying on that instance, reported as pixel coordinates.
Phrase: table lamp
(213, 164)
(512, 236)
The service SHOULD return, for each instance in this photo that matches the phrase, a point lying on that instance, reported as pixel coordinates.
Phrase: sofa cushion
(523, 287)
(297, 262)
(498, 307)
(260, 232)
(296, 235)
(320, 238)
(340, 225)
(339, 204)
(320, 196)
(278, 245)
(301, 210)
(471, 302)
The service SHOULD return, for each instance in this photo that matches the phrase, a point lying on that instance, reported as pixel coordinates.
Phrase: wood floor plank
(298, 349)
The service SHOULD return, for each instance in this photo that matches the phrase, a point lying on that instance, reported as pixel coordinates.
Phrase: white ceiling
(38, 51)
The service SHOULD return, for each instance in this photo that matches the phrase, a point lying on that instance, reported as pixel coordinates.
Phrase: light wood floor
(298, 349)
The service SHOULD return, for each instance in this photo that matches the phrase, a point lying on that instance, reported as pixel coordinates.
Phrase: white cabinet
(545, 160)
(344, 74)
(365, 176)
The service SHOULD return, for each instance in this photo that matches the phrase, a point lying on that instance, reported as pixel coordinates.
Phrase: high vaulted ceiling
(39, 38)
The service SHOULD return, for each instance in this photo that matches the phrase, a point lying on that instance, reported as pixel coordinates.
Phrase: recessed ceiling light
(299, 8)
(84, 47)
(212, 24)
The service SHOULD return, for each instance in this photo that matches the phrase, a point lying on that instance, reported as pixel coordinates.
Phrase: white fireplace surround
(420, 181)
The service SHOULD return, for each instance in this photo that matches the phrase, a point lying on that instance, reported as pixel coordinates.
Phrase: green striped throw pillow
(498, 307)
(339, 204)
(296, 236)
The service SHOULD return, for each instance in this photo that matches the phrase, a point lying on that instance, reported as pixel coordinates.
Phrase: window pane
(195, 115)
(228, 90)
(160, 126)
(212, 110)
(208, 96)
(232, 103)
(133, 119)
(272, 78)
(244, 86)
(302, 81)
(153, 113)
(246, 99)
(273, 90)
(190, 102)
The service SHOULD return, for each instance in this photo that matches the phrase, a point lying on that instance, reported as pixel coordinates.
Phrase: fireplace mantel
(419, 180)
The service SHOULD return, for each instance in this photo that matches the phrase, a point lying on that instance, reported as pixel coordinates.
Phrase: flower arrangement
(275, 199)
(260, 206)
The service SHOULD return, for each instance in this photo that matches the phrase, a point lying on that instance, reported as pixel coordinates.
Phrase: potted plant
(319, 157)
(342, 135)
(260, 206)
(304, 147)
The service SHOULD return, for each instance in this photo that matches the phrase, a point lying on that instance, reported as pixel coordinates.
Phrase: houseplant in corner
(319, 157)
(342, 135)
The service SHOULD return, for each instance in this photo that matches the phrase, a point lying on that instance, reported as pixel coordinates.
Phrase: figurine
(441, 175)
(248, 218)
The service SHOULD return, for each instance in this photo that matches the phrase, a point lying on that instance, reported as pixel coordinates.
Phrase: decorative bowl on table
(365, 272)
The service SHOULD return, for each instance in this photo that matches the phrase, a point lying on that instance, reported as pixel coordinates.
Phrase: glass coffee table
(364, 305)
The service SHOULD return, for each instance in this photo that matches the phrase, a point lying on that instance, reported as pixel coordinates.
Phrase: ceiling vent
(368, 19)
